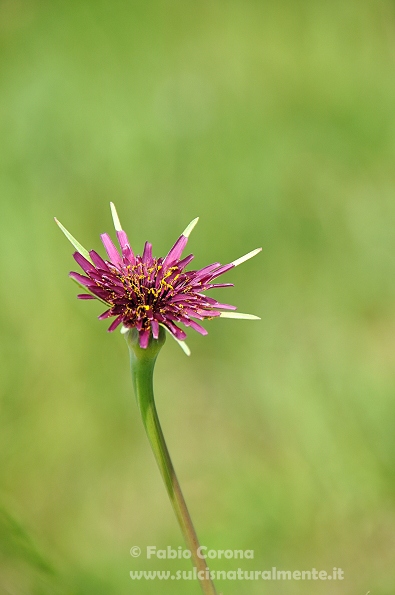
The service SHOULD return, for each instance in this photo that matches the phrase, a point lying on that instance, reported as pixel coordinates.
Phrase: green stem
(142, 367)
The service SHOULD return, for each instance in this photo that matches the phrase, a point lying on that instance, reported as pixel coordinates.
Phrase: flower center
(139, 291)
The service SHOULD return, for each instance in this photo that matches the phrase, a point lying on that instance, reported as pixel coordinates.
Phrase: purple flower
(144, 292)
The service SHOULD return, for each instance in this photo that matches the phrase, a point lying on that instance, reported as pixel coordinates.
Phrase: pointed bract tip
(246, 257)
(185, 348)
(74, 242)
(115, 218)
(189, 228)
(239, 315)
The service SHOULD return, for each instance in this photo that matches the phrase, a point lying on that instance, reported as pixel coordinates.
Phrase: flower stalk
(142, 367)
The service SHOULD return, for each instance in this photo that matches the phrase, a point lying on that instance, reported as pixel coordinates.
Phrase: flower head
(144, 292)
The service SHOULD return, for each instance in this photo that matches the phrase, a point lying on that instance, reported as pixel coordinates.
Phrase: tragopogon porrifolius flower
(146, 295)
(144, 292)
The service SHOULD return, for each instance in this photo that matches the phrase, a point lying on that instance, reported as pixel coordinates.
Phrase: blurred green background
(275, 123)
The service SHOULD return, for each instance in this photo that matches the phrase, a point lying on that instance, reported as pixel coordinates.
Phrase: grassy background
(275, 123)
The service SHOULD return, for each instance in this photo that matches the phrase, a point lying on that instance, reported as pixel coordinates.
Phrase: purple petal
(144, 339)
(176, 251)
(155, 328)
(95, 275)
(218, 304)
(197, 327)
(81, 279)
(83, 262)
(99, 292)
(221, 285)
(177, 332)
(111, 250)
(147, 253)
(181, 298)
(127, 252)
(97, 260)
(173, 316)
(105, 314)
(114, 324)
(193, 313)
(208, 313)
(108, 279)
(206, 270)
(225, 306)
(85, 296)
(222, 270)
(183, 263)
(111, 287)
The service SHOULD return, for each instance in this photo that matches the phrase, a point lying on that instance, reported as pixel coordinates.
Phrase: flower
(144, 292)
